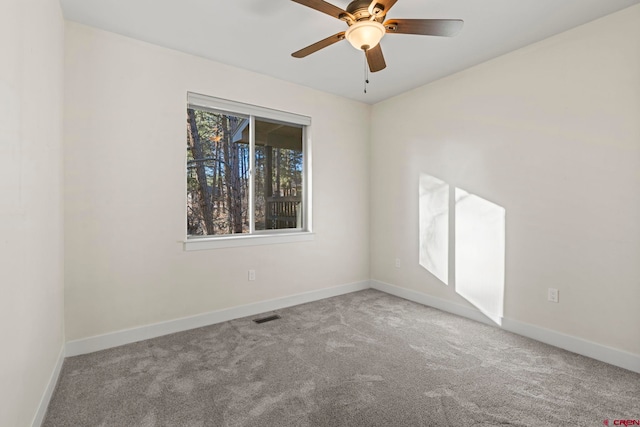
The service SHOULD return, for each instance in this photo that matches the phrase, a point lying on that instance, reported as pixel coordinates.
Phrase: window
(247, 173)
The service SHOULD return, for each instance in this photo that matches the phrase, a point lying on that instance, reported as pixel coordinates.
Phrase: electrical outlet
(553, 295)
(397, 262)
(252, 275)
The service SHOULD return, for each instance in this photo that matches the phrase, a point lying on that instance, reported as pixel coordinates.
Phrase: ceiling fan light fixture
(364, 35)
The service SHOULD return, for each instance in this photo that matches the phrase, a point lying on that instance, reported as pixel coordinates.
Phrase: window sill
(204, 243)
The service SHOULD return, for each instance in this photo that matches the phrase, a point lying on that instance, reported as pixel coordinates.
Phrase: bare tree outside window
(217, 173)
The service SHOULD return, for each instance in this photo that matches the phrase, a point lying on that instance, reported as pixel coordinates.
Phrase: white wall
(31, 240)
(551, 133)
(125, 130)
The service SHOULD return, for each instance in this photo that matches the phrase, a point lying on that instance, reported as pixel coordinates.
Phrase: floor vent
(267, 319)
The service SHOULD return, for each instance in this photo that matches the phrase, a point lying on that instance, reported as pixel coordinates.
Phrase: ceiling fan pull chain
(366, 73)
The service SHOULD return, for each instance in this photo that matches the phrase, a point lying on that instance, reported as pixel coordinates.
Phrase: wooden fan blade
(425, 27)
(324, 7)
(318, 45)
(375, 58)
(386, 5)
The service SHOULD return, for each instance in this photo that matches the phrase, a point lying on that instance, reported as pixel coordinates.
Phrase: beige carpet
(362, 359)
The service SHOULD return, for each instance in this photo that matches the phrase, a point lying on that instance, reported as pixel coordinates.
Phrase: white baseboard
(48, 392)
(610, 355)
(128, 336)
(577, 345)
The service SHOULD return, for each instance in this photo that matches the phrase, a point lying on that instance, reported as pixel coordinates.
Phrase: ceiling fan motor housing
(360, 10)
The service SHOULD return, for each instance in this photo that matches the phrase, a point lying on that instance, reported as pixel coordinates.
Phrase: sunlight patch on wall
(434, 226)
(480, 253)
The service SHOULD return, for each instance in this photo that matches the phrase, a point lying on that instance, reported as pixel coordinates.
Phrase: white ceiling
(260, 35)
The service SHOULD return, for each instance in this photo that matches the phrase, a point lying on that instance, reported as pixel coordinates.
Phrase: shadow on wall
(478, 227)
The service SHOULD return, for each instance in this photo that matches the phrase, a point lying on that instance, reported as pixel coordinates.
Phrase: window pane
(217, 173)
(278, 180)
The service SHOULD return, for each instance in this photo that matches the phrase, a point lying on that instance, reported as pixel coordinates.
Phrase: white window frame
(256, 237)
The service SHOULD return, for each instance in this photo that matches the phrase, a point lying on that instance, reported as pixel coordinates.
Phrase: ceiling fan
(367, 27)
